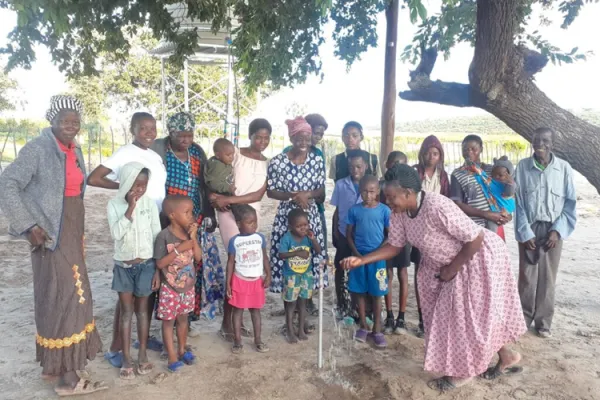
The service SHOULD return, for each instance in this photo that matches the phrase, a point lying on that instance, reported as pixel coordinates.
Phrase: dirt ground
(566, 366)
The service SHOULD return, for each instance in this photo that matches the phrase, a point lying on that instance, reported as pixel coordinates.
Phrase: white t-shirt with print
(248, 252)
(150, 159)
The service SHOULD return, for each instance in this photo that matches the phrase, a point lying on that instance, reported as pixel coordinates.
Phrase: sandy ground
(566, 366)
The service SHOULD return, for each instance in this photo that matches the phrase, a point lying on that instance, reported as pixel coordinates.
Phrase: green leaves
(7, 85)
(417, 10)
(276, 41)
(554, 54)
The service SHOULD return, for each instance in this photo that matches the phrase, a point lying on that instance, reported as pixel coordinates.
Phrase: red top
(73, 175)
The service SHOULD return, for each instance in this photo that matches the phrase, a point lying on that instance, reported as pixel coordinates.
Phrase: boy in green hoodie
(134, 223)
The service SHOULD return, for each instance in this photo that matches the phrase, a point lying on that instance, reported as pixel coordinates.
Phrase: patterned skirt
(66, 331)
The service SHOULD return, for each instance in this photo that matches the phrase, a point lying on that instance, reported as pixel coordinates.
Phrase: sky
(357, 94)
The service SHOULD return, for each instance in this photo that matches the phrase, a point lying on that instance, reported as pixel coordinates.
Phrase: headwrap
(181, 122)
(429, 142)
(60, 102)
(297, 125)
(504, 162)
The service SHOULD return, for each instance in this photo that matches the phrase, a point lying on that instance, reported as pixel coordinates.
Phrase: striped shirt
(465, 189)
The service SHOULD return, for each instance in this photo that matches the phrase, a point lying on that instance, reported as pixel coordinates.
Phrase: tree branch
(446, 93)
(422, 88)
(533, 61)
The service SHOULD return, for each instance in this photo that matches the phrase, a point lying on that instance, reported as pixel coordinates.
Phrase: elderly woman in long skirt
(42, 198)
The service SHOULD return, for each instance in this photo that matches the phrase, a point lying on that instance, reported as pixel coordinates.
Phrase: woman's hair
(315, 120)
(473, 138)
(405, 176)
(240, 211)
(352, 124)
(397, 156)
(136, 118)
(295, 214)
(144, 171)
(258, 124)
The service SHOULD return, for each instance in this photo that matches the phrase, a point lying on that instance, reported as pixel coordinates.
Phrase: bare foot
(507, 365)
(508, 358)
(50, 378)
(458, 382)
(302, 335)
(447, 383)
(291, 338)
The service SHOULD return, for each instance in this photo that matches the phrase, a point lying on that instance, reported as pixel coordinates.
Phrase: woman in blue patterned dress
(297, 180)
(185, 161)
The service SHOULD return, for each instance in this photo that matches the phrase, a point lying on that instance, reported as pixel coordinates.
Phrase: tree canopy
(7, 85)
(276, 41)
(136, 84)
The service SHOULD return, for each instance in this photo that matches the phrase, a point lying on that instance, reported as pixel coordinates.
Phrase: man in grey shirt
(545, 216)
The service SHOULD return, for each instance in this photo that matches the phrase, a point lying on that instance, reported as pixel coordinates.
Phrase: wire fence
(99, 143)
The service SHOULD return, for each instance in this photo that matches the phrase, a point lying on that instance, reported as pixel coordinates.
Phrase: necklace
(419, 203)
(187, 164)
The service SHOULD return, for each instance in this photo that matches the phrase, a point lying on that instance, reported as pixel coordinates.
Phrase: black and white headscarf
(59, 103)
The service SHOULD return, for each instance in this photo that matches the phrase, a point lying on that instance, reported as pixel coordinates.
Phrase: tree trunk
(388, 111)
(501, 82)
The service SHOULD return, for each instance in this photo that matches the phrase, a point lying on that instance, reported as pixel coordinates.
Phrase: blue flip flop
(176, 366)
(114, 358)
(188, 357)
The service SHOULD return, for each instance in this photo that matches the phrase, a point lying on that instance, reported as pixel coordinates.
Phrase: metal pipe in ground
(322, 266)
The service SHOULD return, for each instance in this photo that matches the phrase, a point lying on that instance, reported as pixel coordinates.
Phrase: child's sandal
(188, 358)
(175, 367)
(126, 373)
(144, 368)
(237, 348)
(262, 347)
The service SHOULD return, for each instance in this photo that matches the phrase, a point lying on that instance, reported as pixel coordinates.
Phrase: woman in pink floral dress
(469, 297)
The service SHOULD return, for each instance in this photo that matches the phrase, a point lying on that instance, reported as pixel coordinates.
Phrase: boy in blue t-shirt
(296, 249)
(367, 228)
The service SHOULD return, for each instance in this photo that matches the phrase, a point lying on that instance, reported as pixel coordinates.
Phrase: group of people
(169, 199)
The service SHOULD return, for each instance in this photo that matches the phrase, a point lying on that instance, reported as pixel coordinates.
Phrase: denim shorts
(134, 278)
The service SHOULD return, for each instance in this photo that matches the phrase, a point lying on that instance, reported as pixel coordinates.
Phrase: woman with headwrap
(469, 296)
(42, 197)
(434, 178)
(296, 179)
(105, 175)
(185, 162)
(250, 177)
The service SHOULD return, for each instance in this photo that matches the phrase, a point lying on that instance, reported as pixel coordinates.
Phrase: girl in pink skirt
(246, 265)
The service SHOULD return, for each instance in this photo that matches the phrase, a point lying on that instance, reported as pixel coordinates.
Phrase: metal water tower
(214, 50)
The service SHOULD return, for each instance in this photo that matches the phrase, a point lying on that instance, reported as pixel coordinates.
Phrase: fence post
(100, 143)
(112, 139)
(4, 147)
(89, 149)
(15, 143)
